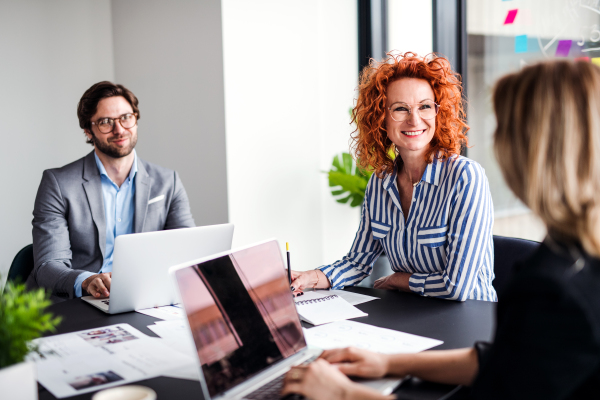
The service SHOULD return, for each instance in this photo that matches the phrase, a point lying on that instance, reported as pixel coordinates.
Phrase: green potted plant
(23, 317)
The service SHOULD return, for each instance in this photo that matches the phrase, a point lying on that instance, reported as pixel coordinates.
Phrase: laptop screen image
(241, 313)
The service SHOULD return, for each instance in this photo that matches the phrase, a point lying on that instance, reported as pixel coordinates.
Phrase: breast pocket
(432, 236)
(380, 229)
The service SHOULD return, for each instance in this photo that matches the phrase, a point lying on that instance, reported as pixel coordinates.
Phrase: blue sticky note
(521, 44)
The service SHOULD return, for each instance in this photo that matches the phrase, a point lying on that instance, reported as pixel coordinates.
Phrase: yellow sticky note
(596, 60)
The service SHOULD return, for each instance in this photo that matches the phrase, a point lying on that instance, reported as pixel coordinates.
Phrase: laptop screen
(241, 313)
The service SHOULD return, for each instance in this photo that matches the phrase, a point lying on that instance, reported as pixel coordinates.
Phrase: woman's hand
(358, 362)
(395, 281)
(320, 380)
(309, 279)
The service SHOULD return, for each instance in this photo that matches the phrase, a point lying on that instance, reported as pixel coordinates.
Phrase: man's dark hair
(88, 105)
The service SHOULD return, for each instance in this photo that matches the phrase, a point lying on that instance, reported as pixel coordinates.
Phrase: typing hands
(318, 380)
(98, 285)
(325, 378)
(357, 362)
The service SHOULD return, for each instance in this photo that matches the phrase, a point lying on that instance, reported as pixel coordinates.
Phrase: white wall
(170, 55)
(49, 58)
(290, 75)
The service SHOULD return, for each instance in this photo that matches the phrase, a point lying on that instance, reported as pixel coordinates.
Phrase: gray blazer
(69, 226)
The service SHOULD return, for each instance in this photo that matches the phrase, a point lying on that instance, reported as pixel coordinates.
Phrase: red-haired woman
(428, 207)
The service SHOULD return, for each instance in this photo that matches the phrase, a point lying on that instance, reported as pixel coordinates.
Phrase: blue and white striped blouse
(446, 242)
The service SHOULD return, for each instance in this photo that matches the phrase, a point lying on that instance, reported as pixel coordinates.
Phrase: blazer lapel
(142, 194)
(93, 190)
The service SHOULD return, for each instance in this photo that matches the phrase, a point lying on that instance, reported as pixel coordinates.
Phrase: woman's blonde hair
(548, 145)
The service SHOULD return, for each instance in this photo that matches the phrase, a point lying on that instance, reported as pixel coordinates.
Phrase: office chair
(507, 252)
(21, 266)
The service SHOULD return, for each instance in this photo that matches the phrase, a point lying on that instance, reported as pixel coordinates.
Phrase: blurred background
(249, 100)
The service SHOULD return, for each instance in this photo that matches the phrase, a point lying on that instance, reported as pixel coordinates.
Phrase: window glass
(503, 36)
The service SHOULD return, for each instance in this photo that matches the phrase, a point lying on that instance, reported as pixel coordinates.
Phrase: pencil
(287, 250)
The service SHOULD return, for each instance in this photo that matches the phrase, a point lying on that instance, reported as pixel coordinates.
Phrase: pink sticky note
(582, 59)
(510, 17)
(562, 50)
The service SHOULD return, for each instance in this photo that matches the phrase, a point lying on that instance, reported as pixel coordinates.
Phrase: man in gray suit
(82, 207)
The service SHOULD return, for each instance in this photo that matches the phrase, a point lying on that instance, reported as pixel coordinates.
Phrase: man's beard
(112, 151)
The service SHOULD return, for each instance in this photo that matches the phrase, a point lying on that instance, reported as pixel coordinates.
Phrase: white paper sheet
(354, 298)
(350, 333)
(86, 361)
(190, 372)
(173, 312)
(175, 334)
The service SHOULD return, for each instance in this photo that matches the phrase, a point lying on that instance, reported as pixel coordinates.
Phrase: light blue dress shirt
(119, 208)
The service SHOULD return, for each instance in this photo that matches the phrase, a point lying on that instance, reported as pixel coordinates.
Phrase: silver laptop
(244, 323)
(141, 263)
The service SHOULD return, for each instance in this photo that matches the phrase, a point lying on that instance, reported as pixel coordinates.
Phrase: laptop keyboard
(272, 390)
(107, 302)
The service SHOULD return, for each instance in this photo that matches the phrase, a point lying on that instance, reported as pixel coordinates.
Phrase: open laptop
(141, 263)
(244, 323)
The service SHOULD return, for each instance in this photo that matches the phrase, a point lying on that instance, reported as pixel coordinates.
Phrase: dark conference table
(457, 324)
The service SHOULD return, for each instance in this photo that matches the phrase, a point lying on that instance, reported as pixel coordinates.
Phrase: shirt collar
(431, 174)
(102, 170)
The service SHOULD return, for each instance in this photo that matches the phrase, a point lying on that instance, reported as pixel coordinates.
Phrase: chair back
(507, 252)
(21, 266)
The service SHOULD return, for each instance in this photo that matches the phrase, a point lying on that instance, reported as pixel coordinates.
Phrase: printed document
(86, 361)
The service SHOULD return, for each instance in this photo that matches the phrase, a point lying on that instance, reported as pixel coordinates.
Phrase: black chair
(21, 266)
(507, 252)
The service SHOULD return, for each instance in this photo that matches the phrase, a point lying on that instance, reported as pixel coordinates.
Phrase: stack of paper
(86, 361)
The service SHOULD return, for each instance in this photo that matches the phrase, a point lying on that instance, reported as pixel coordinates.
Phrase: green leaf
(347, 182)
(22, 319)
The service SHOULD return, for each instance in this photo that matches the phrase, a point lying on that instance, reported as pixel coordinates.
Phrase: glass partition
(503, 36)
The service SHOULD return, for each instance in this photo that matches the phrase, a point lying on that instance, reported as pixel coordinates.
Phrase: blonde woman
(547, 343)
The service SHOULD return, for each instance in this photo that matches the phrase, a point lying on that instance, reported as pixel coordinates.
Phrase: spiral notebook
(324, 309)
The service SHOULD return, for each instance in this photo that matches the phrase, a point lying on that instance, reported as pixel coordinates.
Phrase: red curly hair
(371, 144)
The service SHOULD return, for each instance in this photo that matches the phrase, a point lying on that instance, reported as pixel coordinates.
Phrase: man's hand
(98, 285)
(357, 362)
(395, 281)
